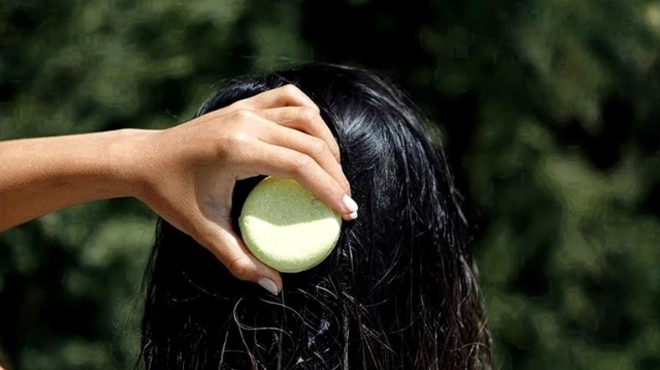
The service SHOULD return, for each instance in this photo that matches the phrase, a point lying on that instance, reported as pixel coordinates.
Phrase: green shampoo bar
(287, 227)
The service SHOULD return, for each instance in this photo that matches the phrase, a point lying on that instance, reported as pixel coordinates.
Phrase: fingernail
(352, 216)
(269, 285)
(350, 204)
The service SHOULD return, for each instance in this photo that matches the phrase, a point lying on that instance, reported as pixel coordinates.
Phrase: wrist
(130, 161)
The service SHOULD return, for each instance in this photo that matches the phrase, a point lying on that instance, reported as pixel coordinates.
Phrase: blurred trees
(549, 110)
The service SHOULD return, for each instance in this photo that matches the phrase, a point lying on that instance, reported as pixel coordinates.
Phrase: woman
(398, 292)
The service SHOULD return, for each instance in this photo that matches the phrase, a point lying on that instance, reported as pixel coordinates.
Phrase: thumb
(223, 242)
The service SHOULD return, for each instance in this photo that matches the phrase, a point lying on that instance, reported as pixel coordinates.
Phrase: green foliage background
(550, 111)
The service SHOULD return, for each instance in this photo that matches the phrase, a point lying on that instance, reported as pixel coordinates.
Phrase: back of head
(398, 292)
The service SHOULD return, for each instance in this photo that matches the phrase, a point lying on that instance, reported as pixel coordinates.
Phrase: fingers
(303, 119)
(289, 153)
(232, 252)
(283, 162)
(288, 95)
(289, 106)
(312, 146)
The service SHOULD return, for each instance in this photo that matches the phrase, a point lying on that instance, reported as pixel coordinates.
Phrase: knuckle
(317, 147)
(238, 138)
(308, 114)
(300, 164)
(233, 145)
(291, 90)
(244, 115)
(239, 266)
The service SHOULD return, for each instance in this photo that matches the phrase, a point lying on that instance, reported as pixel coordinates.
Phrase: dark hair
(398, 292)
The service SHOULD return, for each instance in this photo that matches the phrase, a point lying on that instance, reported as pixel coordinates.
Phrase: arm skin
(42, 175)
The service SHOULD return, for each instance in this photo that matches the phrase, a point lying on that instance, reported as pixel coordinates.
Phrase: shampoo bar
(287, 227)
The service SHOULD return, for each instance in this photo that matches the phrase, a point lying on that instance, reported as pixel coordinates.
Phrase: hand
(190, 170)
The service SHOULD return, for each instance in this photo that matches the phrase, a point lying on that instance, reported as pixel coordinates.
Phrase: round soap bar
(287, 227)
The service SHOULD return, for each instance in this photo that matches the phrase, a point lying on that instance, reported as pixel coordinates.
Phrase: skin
(186, 173)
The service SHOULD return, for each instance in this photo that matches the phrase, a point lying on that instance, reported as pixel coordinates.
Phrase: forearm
(39, 176)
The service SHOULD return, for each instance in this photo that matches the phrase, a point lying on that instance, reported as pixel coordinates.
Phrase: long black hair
(399, 291)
